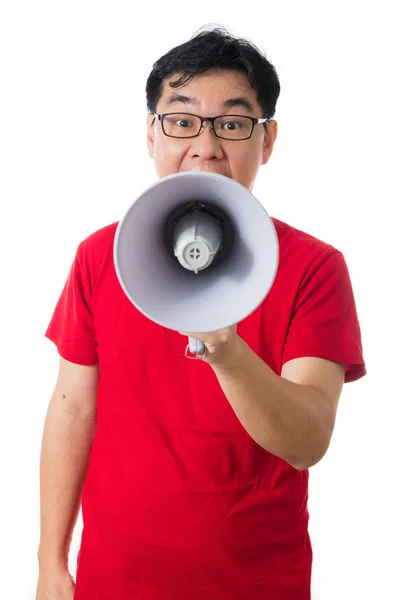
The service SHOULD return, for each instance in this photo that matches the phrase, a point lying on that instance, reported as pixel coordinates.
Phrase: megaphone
(196, 252)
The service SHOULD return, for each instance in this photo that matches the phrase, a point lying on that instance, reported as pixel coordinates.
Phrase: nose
(206, 145)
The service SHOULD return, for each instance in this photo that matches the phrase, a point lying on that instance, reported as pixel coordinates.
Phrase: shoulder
(290, 237)
(299, 248)
(94, 255)
(98, 245)
(99, 239)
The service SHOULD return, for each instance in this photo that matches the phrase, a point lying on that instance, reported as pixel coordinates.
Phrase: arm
(67, 438)
(292, 415)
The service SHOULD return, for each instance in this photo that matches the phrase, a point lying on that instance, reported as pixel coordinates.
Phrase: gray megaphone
(196, 252)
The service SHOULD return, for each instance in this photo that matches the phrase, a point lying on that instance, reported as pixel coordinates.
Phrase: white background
(73, 158)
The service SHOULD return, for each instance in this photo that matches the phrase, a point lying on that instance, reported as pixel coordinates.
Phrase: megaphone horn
(196, 252)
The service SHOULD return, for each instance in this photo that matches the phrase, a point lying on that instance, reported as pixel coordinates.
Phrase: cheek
(246, 158)
(168, 154)
(249, 148)
(245, 163)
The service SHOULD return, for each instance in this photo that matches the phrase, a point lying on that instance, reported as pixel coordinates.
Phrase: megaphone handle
(196, 347)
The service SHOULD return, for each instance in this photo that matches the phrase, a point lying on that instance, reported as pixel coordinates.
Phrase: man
(196, 487)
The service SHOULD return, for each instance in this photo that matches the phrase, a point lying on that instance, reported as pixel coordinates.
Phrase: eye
(184, 123)
(231, 125)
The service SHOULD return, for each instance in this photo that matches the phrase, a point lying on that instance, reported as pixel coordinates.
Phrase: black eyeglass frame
(160, 117)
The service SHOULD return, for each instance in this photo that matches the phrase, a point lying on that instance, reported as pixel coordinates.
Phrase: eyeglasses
(226, 127)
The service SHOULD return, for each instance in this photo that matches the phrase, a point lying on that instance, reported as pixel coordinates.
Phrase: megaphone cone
(167, 287)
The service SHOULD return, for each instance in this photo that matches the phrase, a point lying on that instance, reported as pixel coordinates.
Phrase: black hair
(215, 49)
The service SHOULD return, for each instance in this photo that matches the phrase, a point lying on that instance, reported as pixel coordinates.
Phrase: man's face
(211, 94)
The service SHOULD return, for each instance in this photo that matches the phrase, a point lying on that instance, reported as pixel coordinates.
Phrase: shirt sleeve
(324, 322)
(72, 326)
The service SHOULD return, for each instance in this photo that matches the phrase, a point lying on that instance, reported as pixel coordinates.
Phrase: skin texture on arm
(67, 438)
(292, 415)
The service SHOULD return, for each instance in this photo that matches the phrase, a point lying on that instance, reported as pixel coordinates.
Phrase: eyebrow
(240, 101)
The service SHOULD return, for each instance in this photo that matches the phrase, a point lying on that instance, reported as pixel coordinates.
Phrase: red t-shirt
(179, 502)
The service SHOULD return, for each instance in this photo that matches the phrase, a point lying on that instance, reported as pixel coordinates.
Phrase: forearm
(66, 445)
(287, 419)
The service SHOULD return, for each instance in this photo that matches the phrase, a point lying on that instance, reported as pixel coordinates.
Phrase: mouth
(207, 169)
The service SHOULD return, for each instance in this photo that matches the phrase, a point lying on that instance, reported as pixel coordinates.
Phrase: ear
(269, 141)
(150, 133)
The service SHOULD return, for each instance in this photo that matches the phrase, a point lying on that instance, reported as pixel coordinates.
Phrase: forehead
(213, 88)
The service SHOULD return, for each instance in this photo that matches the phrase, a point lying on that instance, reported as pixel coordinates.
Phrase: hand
(55, 585)
(218, 343)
